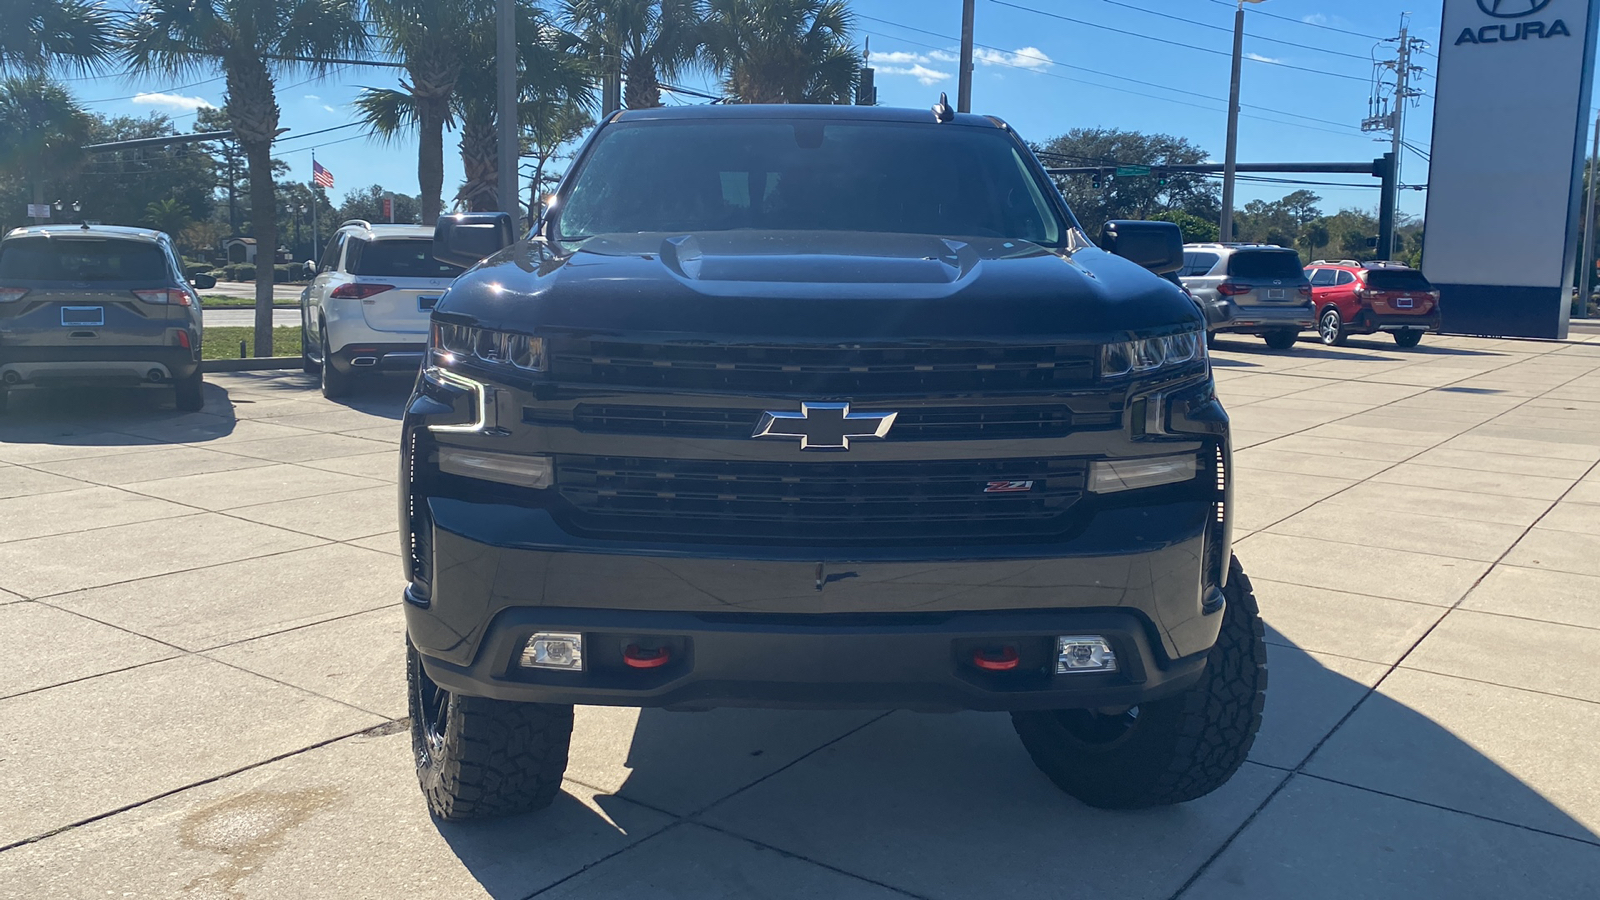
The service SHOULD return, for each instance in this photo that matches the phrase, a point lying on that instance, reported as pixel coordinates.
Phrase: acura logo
(824, 426)
(1512, 9)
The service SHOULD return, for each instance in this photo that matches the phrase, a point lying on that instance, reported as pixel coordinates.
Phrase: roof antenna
(942, 111)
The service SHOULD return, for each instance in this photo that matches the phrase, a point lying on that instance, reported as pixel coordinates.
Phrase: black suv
(821, 407)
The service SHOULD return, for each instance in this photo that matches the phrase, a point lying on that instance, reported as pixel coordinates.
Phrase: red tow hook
(1001, 661)
(645, 659)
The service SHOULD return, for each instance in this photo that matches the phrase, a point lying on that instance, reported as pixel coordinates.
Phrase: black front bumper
(813, 627)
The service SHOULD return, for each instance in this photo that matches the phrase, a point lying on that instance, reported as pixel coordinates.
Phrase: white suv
(367, 309)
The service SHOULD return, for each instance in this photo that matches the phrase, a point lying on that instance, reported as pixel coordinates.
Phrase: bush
(240, 271)
(284, 274)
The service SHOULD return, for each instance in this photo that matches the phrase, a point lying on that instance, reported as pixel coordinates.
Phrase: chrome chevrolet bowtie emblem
(824, 426)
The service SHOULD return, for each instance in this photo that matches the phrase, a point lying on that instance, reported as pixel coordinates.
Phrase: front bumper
(783, 626)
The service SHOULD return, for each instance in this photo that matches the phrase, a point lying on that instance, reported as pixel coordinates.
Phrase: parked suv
(1366, 297)
(1250, 288)
(821, 406)
(100, 304)
(367, 308)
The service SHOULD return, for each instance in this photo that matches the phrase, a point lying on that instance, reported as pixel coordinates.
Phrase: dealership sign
(1511, 114)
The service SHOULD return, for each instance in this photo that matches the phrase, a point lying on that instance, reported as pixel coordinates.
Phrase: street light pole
(506, 109)
(1231, 157)
(964, 85)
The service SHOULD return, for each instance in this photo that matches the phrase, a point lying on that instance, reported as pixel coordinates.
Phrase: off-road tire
(189, 393)
(1405, 340)
(492, 757)
(335, 384)
(1281, 339)
(1175, 749)
(1330, 328)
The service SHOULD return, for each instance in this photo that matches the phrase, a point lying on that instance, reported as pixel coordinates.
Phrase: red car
(1367, 297)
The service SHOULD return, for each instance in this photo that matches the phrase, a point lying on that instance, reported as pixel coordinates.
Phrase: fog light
(552, 650)
(1084, 653)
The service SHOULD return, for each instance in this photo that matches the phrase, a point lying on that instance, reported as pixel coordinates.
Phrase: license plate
(1276, 293)
(83, 315)
(1403, 303)
(427, 303)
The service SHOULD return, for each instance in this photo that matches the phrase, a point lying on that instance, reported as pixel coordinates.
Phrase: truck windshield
(807, 175)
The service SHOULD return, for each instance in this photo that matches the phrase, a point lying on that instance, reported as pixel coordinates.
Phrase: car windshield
(82, 259)
(785, 175)
(1265, 264)
(1397, 280)
(407, 258)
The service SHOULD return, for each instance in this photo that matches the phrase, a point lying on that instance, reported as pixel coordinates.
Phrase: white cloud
(329, 108)
(312, 97)
(1315, 19)
(944, 56)
(1259, 58)
(174, 101)
(919, 72)
(898, 57)
(1022, 58)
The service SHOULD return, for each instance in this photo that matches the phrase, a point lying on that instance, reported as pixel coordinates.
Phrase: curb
(250, 363)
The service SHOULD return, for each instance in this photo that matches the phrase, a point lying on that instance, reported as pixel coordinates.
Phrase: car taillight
(356, 291)
(171, 296)
(1229, 289)
(1305, 290)
(1366, 296)
(8, 294)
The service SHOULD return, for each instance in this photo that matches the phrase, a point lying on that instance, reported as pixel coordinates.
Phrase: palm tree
(435, 39)
(169, 215)
(642, 41)
(250, 42)
(34, 34)
(783, 51)
(42, 132)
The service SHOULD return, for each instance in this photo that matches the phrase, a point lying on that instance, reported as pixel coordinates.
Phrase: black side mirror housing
(1158, 246)
(466, 239)
(202, 281)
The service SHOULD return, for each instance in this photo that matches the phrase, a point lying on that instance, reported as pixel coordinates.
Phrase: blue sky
(1305, 86)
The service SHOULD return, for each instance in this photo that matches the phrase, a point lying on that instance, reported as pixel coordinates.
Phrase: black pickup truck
(821, 406)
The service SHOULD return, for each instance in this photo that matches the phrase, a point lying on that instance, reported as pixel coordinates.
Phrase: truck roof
(832, 112)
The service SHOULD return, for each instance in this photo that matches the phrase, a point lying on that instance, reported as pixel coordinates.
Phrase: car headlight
(448, 343)
(1151, 354)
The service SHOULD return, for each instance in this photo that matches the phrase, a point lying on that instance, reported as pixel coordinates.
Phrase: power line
(1271, 62)
(1256, 12)
(295, 137)
(1349, 132)
(181, 87)
(1230, 30)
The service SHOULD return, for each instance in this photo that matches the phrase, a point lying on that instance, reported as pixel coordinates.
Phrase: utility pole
(505, 59)
(1580, 306)
(1393, 120)
(964, 86)
(1231, 155)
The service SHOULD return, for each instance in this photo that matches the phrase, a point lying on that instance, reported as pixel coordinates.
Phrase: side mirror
(202, 281)
(465, 239)
(1158, 246)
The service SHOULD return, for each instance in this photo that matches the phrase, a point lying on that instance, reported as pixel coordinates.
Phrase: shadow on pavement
(101, 417)
(950, 805)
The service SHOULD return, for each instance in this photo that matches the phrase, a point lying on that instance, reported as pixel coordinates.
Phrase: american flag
(321, 177)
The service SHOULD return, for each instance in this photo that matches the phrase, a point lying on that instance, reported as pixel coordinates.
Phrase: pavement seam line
(1448, 809)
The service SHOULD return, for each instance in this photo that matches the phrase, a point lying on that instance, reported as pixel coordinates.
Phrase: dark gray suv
(100, 305)
(1250, 289)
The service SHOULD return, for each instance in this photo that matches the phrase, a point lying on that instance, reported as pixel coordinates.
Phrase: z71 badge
(1008, 487)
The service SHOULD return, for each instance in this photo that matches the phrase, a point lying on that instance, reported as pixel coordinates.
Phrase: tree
(1132, 196)
(641, 41)
(250, 42)
(167, 215)
(42, 133)
(36, 33)
(367, 203)
(434, 39)
(545, 132)
(1195, 229)
(783, 51)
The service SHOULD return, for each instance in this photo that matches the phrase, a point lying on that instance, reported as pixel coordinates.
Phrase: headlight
(484, 345)
(1150, 354)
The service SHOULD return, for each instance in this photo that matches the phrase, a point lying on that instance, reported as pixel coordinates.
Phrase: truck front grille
(731, 500)
(952, 423)
(843, 370)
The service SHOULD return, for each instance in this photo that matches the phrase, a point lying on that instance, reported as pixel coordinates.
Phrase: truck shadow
(1377, 799)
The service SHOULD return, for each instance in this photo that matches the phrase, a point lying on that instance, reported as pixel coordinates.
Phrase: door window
(1322, 277)
(330, 256)
(1345, 277)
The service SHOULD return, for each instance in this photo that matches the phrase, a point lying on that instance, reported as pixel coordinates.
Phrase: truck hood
(815, 286)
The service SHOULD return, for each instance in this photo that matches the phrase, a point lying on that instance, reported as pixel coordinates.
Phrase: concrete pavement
(246, 318)
(281, 293)
(205, 691)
